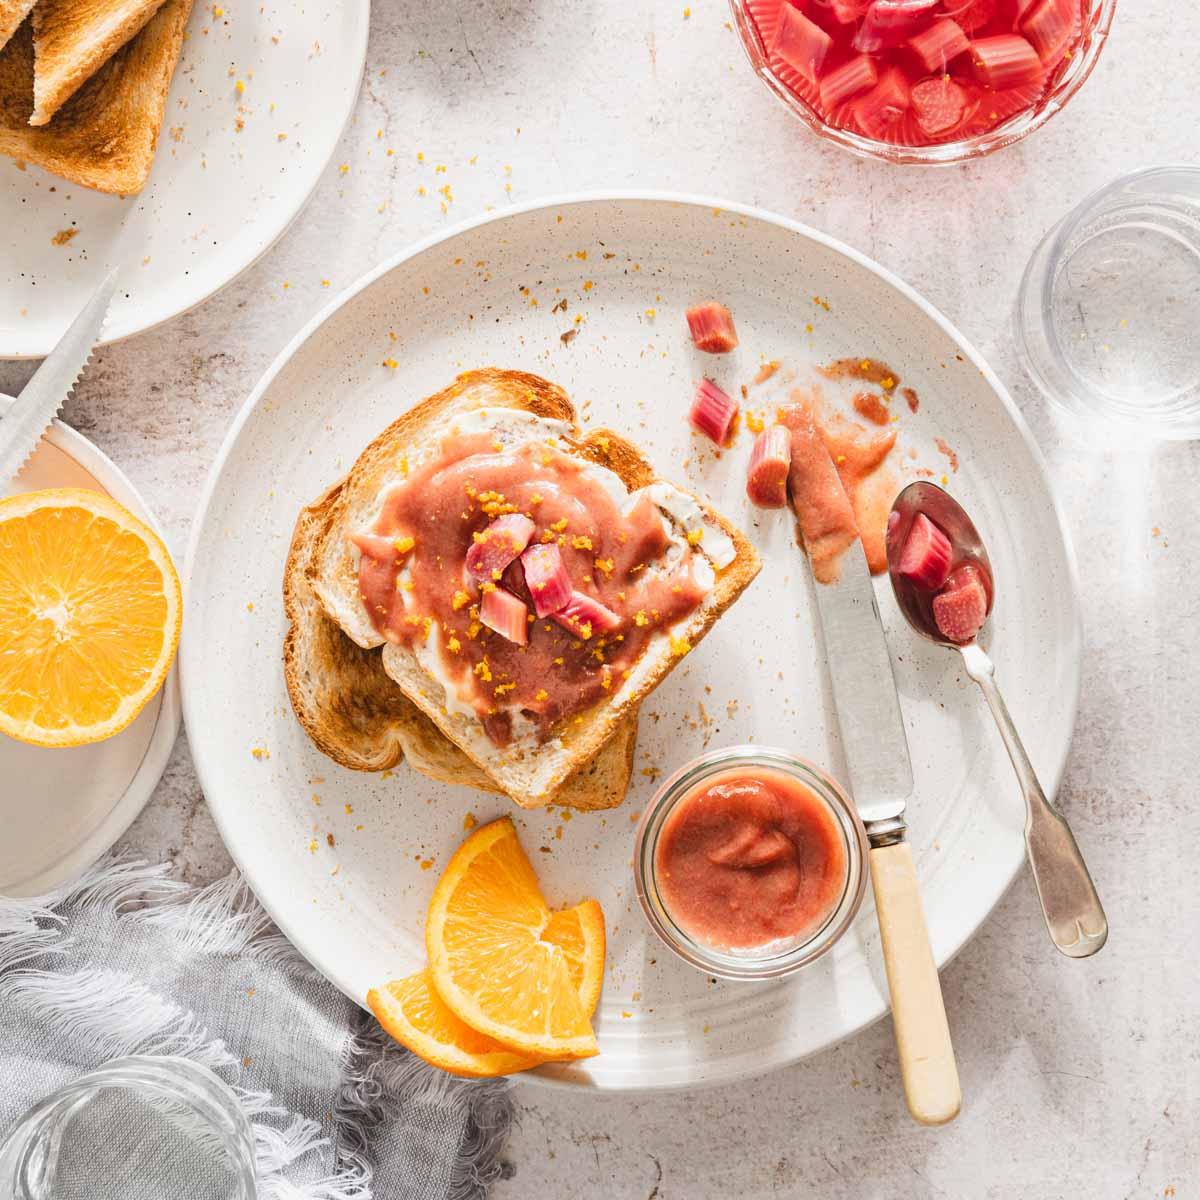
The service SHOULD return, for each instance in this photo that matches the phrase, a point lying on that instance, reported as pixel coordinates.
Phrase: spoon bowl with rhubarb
(943, 583)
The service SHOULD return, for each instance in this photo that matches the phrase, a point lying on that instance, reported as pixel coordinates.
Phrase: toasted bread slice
(12, 13)
(361, 719)
(529, 774)
(73, 39)
(104, 136)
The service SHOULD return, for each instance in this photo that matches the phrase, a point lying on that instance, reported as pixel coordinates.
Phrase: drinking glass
(1109, 308)
(142, 1126)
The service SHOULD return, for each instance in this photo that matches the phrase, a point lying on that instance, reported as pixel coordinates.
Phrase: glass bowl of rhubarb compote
(923, 81)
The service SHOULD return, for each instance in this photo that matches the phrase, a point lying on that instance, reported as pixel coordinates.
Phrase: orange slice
(412, 1012)
(90, 610)
(487, 955)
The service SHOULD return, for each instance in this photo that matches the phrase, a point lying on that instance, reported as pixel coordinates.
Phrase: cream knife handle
(918, 1014)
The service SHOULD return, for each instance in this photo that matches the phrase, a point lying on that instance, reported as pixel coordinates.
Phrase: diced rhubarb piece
(881, 110)
(546, 578)
(1050, 27)
(506, 614)
(1005, 61)
(887, 23)
(498, 545)
(770, 462)
(845, 11)
(586, 617)
(852, 77)
(765, 15)
(712, 412)
(925, 559)
(939, 105)
(972, 15)
(936, 46)
(800, 43)
(961, 607)
(711, 327)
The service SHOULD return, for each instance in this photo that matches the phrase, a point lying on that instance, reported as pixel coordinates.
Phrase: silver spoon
(1074, 915)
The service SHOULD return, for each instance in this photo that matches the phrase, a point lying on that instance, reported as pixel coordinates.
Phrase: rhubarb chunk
(961, 607)
(925, 559)
(800, 43)
(939, 105)
(586, 617)
(1005, 61)
(889, 22)
(498, 545)
(712, 412)
(848, 80)
(546, 578)
(881, 110)
(1050, 28)
(506, 614)
(770, 462)
(936, 46)
(711, 327)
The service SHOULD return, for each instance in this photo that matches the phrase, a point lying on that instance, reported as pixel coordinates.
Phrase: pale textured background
(1080, 1079)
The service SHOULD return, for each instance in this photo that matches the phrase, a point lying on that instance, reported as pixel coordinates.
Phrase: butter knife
(880, 778)
(43, 396)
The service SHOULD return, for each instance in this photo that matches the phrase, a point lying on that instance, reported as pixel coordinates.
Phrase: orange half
(90, 612)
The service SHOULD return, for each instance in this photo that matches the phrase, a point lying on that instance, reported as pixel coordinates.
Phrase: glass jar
(775, 958)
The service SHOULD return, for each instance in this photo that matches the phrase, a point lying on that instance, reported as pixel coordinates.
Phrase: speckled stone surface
(1078, 1078)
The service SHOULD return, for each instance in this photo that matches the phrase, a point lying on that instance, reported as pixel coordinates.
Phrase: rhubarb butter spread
(748, 857)
(840, 485)
(635, 567)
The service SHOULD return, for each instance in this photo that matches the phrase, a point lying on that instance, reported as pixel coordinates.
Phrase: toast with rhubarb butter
(529, 585)
(358, 716)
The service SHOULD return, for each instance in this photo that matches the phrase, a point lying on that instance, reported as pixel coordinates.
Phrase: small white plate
(218, 196)
(337, 857)
(62, 809)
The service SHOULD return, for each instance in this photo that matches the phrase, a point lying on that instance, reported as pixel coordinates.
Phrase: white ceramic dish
(217, 197)
(355, 905)
(62, 809)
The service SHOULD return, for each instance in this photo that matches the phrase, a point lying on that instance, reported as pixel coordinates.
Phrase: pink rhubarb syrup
(918, 72)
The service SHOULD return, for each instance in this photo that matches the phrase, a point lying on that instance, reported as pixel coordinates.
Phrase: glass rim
(747, 964)
(1093, 37)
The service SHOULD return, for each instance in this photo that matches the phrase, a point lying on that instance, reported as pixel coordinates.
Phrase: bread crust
(105, 135)
(73, 39)
(529, 779)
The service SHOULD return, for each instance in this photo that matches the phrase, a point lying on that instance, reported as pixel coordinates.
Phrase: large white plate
(217, 196)
(356, 907)
(62, 809)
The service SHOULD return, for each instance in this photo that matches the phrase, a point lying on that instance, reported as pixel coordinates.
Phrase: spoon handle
(1072, 909)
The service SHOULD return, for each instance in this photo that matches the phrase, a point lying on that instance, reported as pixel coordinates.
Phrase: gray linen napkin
(128, 961)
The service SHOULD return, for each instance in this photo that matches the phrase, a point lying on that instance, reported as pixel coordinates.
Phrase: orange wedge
(412, 1012)
(487, 955)
(90, 610)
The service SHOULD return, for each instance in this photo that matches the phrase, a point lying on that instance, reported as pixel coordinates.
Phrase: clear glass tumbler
(1109, 308)
(161, 1128)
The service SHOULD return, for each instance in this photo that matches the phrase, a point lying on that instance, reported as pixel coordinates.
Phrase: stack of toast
(83, 85)
(368, 704)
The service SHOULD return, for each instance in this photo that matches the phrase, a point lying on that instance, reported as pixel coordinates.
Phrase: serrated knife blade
(44, 395)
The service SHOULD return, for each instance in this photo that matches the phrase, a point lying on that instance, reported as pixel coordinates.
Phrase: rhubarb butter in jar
(750, 863)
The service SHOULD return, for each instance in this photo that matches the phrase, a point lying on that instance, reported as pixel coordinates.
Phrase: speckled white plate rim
(153, 762)
(965, 928)
(118, 329)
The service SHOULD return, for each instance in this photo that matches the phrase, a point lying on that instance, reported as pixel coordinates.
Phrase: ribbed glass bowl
(1095, 34)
